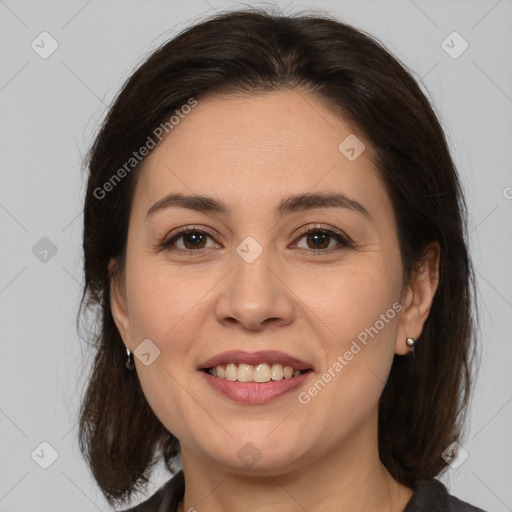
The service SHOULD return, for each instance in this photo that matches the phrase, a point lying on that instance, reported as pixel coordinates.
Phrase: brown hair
(422, 408)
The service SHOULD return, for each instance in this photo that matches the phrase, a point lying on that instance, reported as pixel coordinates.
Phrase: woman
(275, 229)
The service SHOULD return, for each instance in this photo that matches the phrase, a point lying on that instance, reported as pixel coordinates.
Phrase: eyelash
(343, 240)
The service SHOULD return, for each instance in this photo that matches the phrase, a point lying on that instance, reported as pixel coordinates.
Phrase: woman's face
(250, 279)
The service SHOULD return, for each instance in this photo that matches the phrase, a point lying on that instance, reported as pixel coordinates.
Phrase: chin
(257, 456)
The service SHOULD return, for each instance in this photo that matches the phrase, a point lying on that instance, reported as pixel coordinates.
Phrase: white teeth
(262, 372)
(288, 372)
(277, 371)
(244, 373)
(231, 372)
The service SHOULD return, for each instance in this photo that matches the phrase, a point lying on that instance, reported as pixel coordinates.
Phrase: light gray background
(50, 109)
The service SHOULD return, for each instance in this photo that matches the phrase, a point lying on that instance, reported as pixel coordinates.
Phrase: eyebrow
(291, 204)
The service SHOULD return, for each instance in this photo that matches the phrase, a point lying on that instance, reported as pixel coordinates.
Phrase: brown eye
(321, 240)
(191, 240)
(194, 240)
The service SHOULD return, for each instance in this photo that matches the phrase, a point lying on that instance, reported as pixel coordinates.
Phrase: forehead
(250, 149)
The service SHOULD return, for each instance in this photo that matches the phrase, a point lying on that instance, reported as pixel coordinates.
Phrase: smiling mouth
(260, 373)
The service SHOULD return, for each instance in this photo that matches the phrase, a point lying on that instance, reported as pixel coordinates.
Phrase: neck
(347, 477)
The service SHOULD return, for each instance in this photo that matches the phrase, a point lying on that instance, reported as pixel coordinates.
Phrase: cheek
(352, 298)
(359, 308)
(162, 308)
(360, 311)
(160, 300)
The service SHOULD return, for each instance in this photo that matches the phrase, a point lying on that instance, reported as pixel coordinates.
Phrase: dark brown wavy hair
(423, 406)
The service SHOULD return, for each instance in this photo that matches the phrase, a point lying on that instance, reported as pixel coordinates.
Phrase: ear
(118, 303)
(417, 299)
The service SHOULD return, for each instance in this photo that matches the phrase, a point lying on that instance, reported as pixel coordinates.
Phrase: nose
(255, 295)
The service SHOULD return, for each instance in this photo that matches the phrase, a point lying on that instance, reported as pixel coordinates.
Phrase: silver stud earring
(129, 360)
(411, 342)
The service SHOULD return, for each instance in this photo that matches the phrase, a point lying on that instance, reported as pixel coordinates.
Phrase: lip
(253, 358)
(255, 392)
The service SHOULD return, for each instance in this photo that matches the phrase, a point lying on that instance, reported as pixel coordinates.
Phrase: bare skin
(251, 152)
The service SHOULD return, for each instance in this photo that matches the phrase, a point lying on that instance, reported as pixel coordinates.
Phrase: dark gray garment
(429, 496)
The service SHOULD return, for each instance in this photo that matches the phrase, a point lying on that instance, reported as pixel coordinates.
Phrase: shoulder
(166, 498)
(432, 496)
